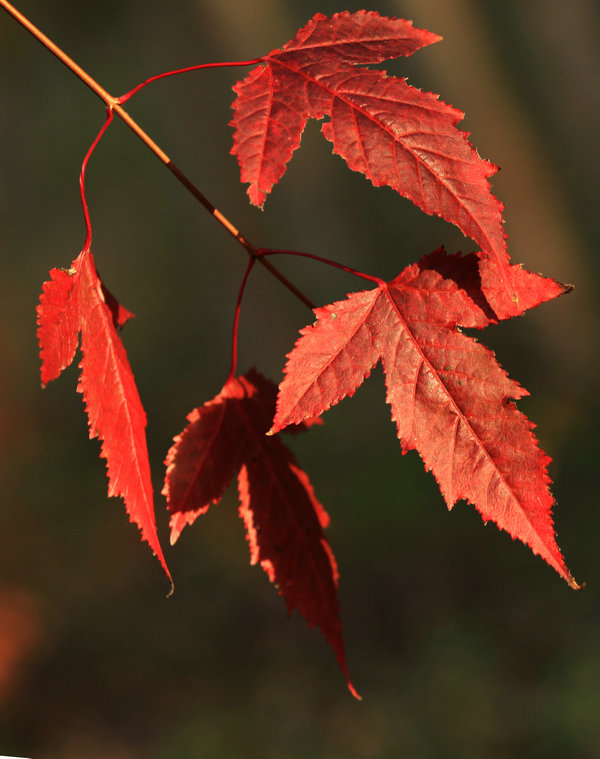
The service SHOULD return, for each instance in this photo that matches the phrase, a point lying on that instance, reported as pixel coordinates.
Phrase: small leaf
(119, 313)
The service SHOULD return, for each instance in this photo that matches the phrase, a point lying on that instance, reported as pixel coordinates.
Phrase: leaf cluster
(450, 399)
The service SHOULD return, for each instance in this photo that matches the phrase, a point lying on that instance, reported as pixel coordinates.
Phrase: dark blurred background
(462, 643)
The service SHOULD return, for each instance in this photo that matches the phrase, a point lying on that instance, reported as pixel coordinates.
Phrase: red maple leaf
(284, 521)
(74, 303)
(450, 399)
(395, 134)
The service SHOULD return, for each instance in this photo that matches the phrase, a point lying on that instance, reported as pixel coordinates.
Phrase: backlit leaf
(450, 399)
(72, 305)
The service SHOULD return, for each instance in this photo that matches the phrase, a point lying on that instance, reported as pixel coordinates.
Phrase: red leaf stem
(86, 213)
(124, 98)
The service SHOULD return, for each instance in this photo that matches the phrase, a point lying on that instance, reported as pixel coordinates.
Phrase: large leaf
(73, 303)
(284, 521)
(395, 134)
(450, 399)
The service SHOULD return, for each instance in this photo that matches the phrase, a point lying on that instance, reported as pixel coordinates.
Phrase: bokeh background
(462, 643)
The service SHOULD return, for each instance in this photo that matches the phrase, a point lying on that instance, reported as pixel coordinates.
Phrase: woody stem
(114, 104)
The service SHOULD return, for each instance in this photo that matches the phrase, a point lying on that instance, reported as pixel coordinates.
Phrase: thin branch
(113, 103)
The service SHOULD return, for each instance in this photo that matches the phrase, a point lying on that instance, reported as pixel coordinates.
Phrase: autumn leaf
(75, 303)
(284, 521)
(450, 399)
(308, 78)
(393, 133)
